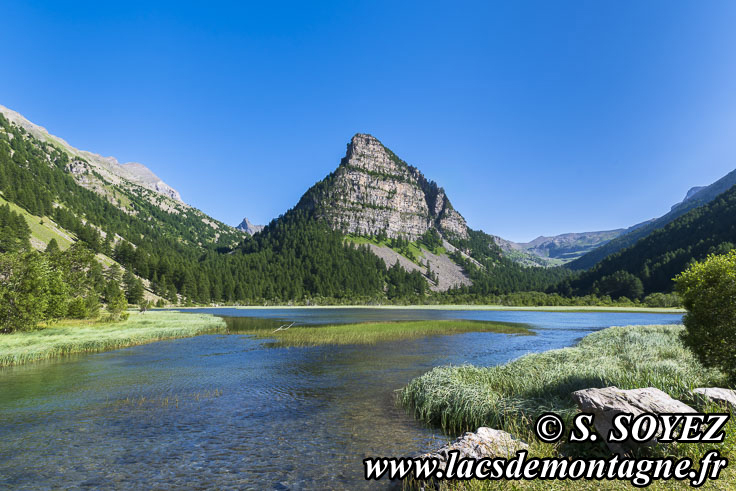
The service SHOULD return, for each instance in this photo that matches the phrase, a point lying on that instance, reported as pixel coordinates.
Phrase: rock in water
(715, 394)
(606, 403)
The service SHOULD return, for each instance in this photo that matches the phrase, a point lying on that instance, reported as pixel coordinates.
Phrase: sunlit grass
(511, 396)
(376, 332)
(465, 397)
(69, 337)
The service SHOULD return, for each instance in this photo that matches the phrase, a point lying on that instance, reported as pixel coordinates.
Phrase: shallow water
(228, 411)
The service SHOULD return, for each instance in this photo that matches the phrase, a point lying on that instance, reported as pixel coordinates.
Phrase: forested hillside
(651, 263)
(695, 198)
(186, 256)
(495, 274)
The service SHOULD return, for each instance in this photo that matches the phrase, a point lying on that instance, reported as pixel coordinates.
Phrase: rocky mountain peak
(373, 191)
(247, 227)
(367, 153)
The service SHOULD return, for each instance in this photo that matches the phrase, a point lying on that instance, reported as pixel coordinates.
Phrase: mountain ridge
(134, 172)
(694, 198)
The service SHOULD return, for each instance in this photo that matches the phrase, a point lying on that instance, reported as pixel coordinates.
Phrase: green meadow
(86, 336)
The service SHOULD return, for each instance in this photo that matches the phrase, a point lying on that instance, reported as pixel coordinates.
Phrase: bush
(708, 292)
(662, 300)
(77, 309)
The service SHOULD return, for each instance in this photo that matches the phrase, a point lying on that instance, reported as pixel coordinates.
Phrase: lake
(229, 411)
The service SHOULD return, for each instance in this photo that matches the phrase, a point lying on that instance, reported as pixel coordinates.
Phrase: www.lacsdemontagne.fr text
(640, 472)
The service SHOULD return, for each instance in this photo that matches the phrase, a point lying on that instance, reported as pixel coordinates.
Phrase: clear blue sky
(537, 117)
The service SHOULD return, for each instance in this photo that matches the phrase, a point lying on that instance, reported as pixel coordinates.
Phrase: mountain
(556, 250)
(373, 192)
(248, 227)
(650, 264)
(695, 197)
(374, 230)
(122, 213)
(110, 170)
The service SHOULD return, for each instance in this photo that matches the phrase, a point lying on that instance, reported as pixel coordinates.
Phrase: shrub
(708, 292)
(77, 309)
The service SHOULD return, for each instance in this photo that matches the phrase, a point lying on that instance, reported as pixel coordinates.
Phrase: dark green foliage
(658, 257)
(619, 284)
(665, 300)
(23, 290)
(133, 288)
(432, 239)
(298, 256)
(14, 232)
(36, 287)
(708, 292)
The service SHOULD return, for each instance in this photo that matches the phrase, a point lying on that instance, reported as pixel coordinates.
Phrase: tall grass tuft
(370, 332)
(464, 397)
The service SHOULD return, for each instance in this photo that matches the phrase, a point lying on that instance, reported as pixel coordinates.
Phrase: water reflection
(225, 411)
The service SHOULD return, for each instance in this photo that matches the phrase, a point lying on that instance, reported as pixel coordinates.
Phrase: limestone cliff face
(373, 191)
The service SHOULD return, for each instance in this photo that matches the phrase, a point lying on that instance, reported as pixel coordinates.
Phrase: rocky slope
(374, 192)
(109, 168)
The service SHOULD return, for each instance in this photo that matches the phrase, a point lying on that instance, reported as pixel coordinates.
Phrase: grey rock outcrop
(373, 191)
(608, 402)
(718, 395)
(483, 443)
(247, 227)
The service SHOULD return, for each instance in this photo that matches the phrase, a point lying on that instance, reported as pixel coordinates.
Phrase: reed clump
(464, 397)
(512, 396)
(376, 332)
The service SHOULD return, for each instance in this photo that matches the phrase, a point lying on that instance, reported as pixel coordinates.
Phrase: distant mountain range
(556, 250)
(695, 197)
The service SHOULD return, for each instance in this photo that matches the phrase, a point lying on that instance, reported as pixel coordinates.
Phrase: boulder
(722, 396)
(606, 403)
(484, 443)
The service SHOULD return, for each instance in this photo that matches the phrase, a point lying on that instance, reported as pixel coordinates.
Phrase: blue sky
(536, 117)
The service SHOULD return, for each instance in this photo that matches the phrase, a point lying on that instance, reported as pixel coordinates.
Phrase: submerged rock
(608, 402)
(715, 394)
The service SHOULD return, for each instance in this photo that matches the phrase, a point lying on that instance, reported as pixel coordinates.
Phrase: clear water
(228, 412)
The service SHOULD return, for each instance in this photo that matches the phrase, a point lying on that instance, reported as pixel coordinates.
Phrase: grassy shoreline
(513, 395)
(573, 309)
(373, 332)
(73, 337)
(464, 397)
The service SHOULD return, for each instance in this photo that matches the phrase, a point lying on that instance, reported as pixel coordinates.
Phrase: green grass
(465, 397)
(70, 337)
(415, 248)
(42, 232)
(511, 396)
(373, 332)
